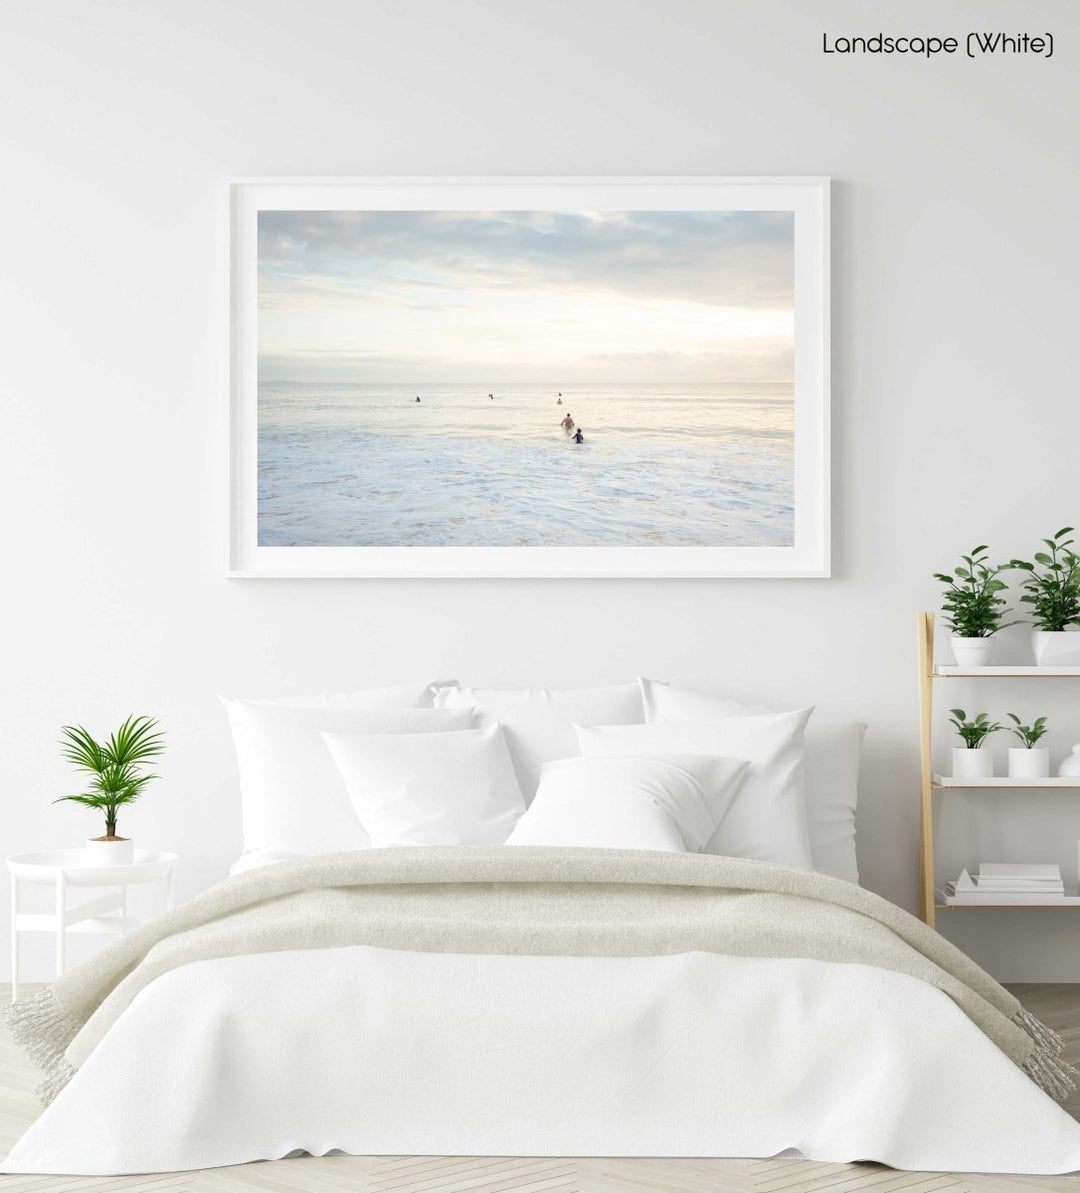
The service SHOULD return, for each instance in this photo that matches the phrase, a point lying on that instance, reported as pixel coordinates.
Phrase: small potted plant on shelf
(117, 778)
(1029, 760)
(1052, 589)
(974, 607)
(970, 761)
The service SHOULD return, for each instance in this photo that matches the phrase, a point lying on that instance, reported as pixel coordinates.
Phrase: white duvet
(375, 1051)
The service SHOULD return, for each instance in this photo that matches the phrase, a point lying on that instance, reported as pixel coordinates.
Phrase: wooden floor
(1058, 1006)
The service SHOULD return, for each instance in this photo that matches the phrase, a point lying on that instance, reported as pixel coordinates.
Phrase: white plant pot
(1056, 648)
(1029, 764)
(972, 652)
(972, 764)
(1070, 764)
(120, 852)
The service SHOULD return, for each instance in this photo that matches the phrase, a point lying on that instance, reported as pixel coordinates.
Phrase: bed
(606, 966)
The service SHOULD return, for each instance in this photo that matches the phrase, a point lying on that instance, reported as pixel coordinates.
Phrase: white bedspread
(375, 1051)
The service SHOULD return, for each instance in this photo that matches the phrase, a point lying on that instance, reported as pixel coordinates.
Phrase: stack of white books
(1007, 882)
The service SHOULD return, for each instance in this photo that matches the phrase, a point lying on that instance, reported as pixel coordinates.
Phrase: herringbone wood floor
(1057, 1005)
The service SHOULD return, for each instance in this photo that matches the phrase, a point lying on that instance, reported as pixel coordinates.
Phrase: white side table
(63, 869)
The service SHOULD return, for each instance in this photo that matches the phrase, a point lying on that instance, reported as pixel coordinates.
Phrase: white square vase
(1056, 648)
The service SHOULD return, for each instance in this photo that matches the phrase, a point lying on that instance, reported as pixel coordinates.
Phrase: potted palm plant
(970, 761)
(1029, 760)
(973, 607)
(1052, 589)
(117, 778)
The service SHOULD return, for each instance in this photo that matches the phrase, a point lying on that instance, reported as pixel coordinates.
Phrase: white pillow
(539, 722)
(292, 796)
(430, 788)
(255, 859)
(672, 803)
(833, 751)
(406, 695)
(767, 818)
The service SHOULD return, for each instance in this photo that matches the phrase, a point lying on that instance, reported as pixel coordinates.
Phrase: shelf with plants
(1006, 782)
(975, 609)
(951, 671)
(1066, 904)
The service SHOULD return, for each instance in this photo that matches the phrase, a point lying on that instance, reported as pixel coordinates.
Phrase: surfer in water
(418, 397)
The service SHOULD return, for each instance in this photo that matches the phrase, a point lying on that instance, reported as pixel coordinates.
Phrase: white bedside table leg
(60, 926)
(14, 938)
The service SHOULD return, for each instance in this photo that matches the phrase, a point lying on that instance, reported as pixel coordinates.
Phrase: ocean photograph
(516, 379)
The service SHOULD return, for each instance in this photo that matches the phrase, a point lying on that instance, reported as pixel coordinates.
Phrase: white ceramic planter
(1029, 764)
(1056, 648)
(120, 852)
(972, 652)
(972, 764)
(1070, 764)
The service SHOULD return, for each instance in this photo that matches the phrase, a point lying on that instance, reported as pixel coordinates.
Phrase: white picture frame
(807, 198)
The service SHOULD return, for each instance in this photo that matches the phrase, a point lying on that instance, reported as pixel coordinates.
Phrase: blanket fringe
(1046, 1065)
(48, 1089)
(43, 1030)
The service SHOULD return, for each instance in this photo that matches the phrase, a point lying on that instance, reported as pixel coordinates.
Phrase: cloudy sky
(525, 296)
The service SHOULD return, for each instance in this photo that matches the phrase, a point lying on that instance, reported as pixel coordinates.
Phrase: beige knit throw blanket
(526, 901)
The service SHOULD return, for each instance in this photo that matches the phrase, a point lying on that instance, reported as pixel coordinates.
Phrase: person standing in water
(578, 437)
(567, 423)
(418, 397)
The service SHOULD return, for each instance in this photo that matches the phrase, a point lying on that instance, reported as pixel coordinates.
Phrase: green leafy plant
(1052, 587)
(115, 767)
(1028, 734)
(973, 603)
(974, 732)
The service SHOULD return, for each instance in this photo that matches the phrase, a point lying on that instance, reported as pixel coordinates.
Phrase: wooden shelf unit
(941, 782)
(1057, 905)
(947, 671)
(929, 672)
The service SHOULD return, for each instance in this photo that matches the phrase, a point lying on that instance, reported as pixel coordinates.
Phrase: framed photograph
(529, 377)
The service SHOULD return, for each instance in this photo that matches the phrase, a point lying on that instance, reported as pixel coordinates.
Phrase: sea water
(661, 465)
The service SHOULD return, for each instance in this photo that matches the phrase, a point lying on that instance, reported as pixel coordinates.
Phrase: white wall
(956, 411)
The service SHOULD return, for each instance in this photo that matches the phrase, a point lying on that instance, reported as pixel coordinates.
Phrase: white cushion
(292, 796)
(767, 818)
(833, 751)
(539, 722)
(255, 859)
(672, 803)
(430, 788)
(406, 695)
